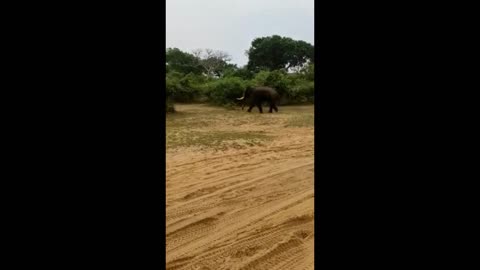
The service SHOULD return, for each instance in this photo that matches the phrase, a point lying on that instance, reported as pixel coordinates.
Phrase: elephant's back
(266, 90)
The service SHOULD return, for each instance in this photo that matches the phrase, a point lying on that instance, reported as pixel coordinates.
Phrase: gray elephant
(255, 96)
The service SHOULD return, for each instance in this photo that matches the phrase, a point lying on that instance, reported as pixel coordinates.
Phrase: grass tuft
(217, 140)
(303, 120)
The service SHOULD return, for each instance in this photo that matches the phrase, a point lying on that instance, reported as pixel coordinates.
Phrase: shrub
(260, 78)
(225, 91)
(242, 73)
(172, 83)
(184, 88)
(308, 72)
(302, 92)
(276, 79)
(294, 88)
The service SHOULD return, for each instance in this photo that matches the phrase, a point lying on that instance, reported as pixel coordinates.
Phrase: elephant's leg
(259, 105)
(275, 107)
(272, 105)
(250, 109)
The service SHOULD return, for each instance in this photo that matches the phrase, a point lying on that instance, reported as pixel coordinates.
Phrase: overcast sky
(231, 25)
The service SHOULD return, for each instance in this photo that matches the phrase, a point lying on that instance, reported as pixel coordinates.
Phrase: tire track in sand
(243, 209)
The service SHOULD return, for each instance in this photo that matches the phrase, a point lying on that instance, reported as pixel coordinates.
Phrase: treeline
(207, 76)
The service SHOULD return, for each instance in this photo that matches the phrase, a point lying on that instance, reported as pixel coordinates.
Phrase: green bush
(276, 79)
(308, 90)
(308, 72)
(294, 88)
(225, 91)
(302, 92)
(184, 88)
(242, 73)
(172, 84)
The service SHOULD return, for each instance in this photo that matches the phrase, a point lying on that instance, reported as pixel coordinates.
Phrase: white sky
(231, 25)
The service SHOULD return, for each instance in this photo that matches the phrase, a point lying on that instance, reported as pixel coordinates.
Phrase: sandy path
(249, 208)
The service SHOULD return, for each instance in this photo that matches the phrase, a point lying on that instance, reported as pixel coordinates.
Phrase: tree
(277, 52)
(307, 71)
(182, 62)
(242, 72)
(213, 62)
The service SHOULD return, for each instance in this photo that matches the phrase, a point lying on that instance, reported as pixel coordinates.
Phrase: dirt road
(240, 189)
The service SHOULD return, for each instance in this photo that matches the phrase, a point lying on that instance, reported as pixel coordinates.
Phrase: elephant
(255, 96)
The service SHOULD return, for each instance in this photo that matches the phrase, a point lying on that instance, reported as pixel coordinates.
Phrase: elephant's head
(246, 95)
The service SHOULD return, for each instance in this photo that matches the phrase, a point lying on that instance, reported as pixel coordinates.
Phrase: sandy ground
(248, 205)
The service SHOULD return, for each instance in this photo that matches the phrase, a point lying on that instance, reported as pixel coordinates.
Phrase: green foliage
(182, 62)
(275, 52)
(225, 91)
(302, 92)
(197, 78)
(184, 88)
(172, 83)
(243, 72)
(293, 88)
(276, 79)
(308, 72)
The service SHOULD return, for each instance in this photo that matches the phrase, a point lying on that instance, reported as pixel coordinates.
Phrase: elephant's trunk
(243, 103)
(242, 98)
